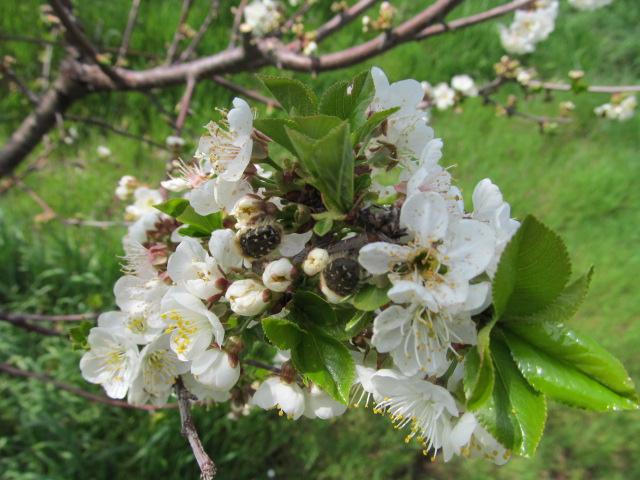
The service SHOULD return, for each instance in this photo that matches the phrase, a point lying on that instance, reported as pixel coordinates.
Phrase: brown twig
(94, 223)
(207, 467)
(343, 18)
(262, 365)
(107, 126)
(76, 37)
(23, 324)
(270, 102)
(237, 21)
(178, 34)
(18, 372)
(185, 102)
(608, 89)
(37, 317)
(126, 36)
(22, 86)
(214, 9)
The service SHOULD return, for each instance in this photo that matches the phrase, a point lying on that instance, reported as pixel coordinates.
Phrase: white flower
(204, 392)
(174, 141)
(443, 96)
(144, 201)
(191, 325)
(363, 390)
(247, 297)
(316, 260)
(157, 371)
(216, 369)
(191, 267)
(465, 85)
(262, 17)
(529, 27)
(427, 408)
(618, 109)
(287, 397)
(427, 89)
(435, 268)
(589, 4)
(131, 324)
(126, 186)
(418, 339)
(310, 48)
(248, 210)
(490, 208)
(469, 437)
(217, 194)
(111, 361)
(318, 404)
(278, 275)
(103, 152)
(225, 249)
(175, 184)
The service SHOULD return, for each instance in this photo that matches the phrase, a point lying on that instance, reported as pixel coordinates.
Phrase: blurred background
(581, 180)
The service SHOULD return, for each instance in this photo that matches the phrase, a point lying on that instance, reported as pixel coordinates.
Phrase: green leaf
(388, 178)
(370, 298)
(478, 378)
(283, 333)
(567, 350)
(326, 362)
(329, 162)
(357, 323)
(312, 309)
(79, 334)
(515, 413)
(533, 270)
(323, 226)
(207, 223)
(348, 98)
(364, 132)
(173, 207)
(193, 231)
(562, 308)
(274, 129)
(294, 96)
(316, 126)
(550, 373)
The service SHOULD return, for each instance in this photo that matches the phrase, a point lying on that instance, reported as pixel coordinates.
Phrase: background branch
(126, 36)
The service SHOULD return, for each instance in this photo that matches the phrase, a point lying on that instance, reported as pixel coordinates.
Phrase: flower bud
(249, 210)
(247, 297)
(278, 275)
(126, 186)
(175, 184)
(315, 262)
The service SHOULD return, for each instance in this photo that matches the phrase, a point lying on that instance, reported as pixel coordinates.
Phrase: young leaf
(316, 126)
(206, 223)
(533, 270)
(323, 226)
(565, 349)
(283, 333)
(515, 413)
(173, 207)
(370, 298)
(274, 129)
(79, 334)
(478, 378)
(566, 382)
(294, 96)
(193, 231)
(326, 362)
(329, 162)
(348, 99)
(357, 323)
(362, 134)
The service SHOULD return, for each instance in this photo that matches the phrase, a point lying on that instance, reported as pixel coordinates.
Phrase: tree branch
(22, 86)
(342, 19)
(178, 35)
(18, 372)
(126, 36)
(207, 467)
(37, 317)
(270, 102)
(23, 324)
(214, 8)
(237, 21)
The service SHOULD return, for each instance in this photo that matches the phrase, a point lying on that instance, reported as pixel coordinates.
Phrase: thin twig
(270, 102)
(185, 102)
(609, 89)
(94, 223)
(18, 372)
(38, 317)
(214, 9)
(22, 86)
(262, 365)
(178, 34)
(77, 38)
(237, 21)
(107, 126)
(207, 467)
(126, 36)
(23, 324)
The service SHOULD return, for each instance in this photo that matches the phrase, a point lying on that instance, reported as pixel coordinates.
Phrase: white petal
(425, 214)
(380, 257)
(225, 249)
(203, 198)
(294, 243)
(471, 245)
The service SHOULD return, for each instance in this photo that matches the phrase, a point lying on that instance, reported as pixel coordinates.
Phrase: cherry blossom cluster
(188, 302)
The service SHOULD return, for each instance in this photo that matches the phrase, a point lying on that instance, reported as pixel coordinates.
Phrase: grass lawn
(580, 181)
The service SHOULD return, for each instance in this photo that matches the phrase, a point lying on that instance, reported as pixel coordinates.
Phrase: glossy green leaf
(294, 96)
(478, 378)
(370, 298)
(316, 126)
(311, 308)
(181, 210)
(515, 413)
(283, 333)
(562, 380)
(329, 163)
(173, 207)
(322, 227)
(533, 270)
(357, 323)
(326, 362)
(348, 98)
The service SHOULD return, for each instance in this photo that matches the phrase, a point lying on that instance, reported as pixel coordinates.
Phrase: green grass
(581, 181)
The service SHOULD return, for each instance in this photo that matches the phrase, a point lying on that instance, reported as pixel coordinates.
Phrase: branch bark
(126, 36)
(207, 467)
